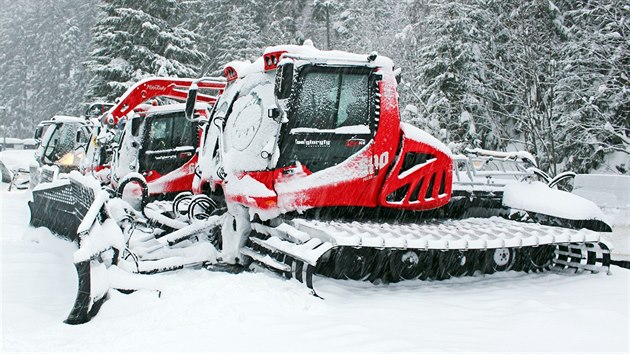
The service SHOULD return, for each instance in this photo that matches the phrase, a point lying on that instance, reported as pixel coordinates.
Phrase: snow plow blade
(118, 249)
(85, 307)
(60, 206)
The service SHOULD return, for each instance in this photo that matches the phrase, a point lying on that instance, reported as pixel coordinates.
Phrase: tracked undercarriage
(431, 250)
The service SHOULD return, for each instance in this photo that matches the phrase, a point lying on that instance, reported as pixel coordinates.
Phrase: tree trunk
(327, 28)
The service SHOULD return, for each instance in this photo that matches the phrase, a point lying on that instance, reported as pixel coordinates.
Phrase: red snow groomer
(320, 176)
(138, 143)
(156, 146)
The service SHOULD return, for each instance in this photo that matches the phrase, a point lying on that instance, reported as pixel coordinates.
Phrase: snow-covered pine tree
(283, 25)
(593, 96)
(519, 56)
(227, 30)
(323, 11)
(135, 39)
(75, 42)
(15, 68)
(42, 45)
(240, 35)
(202, 17)
(64, 33)
(451, 71)
(363, 26)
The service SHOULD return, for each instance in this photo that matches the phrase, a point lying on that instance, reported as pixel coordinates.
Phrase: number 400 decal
(378, 162)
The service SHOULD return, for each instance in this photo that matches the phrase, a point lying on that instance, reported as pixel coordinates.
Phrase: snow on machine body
(62, 145)
(156, 146)
(152, 146)
(61, 142)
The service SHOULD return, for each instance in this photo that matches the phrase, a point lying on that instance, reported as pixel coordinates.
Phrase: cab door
(330, 118)
(327, 146)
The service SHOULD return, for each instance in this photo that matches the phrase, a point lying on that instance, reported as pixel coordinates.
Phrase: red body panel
(425, 186)
(175, 181)
(366, 179)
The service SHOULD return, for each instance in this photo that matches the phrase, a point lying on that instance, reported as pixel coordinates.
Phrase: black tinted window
(182, 132)
(169, 132)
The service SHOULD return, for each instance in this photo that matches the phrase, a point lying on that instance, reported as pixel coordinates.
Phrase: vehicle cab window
(332, 99)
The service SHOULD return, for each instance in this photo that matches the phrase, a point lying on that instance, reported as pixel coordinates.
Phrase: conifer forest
(548, 76)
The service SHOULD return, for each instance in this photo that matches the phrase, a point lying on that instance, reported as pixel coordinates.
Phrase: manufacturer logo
(156, 87)
(313, 143)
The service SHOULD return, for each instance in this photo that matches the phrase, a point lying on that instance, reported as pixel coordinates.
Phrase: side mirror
(77, 137)
(273, 113)
(398, 75)
(284, 81)
(191, 100)
(38, 133)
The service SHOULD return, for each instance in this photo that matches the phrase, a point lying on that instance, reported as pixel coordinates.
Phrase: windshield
(331, 99)
(61, 142)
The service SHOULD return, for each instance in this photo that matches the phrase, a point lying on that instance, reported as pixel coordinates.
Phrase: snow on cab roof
(244, 68)
(306, 52)
(67, 119)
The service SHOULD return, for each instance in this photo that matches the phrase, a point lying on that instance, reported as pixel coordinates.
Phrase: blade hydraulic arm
(174, 88)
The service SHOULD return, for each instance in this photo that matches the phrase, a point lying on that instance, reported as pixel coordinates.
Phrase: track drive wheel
(354, 263)
(539, 259)
(200, 208)
(500, 259)
(452, 264)
(407, 264)
(181, 203)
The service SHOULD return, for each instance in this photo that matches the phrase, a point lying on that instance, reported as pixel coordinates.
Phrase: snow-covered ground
(199, 310)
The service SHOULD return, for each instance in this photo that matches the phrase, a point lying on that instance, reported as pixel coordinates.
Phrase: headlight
(66, 160)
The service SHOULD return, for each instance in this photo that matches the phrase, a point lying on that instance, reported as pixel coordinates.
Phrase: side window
(39, 132)
(182, 132)
(170, 132)
(353, 101)
(52, 142)
(61, 141)
(84, 136)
